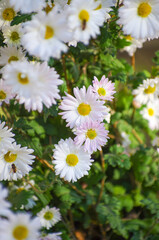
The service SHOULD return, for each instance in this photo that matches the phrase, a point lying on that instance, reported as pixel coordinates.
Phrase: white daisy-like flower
(35, 84)
(151, 113)
(19, 227)
(147, 91)
(12, 34)
(45, 34)
(71, 162)
(15, 163)
(52, 236)
(92, 134)
(131, 49)
(84, 21)
(6, 138)
(5, 92)
(103, 88)
(4, 205)
(11, 53)
(7, 12)
(28, 6)
(140, 18)
(83, 107)
(49, 216)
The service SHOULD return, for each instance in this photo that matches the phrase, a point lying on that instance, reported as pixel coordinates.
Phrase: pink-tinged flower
(92, 134)
(103, 88)
(5, 92)
(83, 107)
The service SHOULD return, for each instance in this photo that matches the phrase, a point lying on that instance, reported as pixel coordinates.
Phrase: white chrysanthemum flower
(15, 163)
(12, 34)
(52, 236)
(92, 134)
(5, 92)
(19, 227)
(147, 91)
(7, 12)
(4, 205)
(6, 138)
(81, 108)
(27, 6)
(131, 49)
(71, 162)
(103, 88)
(44, 35)
(49, 216)
(151, 113)
(84, 21)
(11, 53)
(140, 18)
(34, 84)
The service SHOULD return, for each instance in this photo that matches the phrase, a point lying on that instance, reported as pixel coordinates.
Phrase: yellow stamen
(23, 78)
(72, 160)
(84, 15)
(14, 36)
(144, 9)
(49, 32)
(13, 58)
(101, 92)
(8, 14)
(151, 112)
(48, 216)
(84, 109)
(91, 134)
(9, 157)
(2, 95)
(20, 232)
(150, 89)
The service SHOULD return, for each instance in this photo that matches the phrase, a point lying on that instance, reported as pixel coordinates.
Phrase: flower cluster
(83, 113)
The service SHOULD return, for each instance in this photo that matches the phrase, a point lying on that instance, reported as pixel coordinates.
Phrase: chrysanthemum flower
(44, 35)
(81, 108)
(151, 113)
(49, 216)
(84, 21)
(15, 163)
(11, 53)
(92, 134)
(71, 162)
(28, 6)
(140, 18)
(12, 34)
(7, 12)
(4, 205)
(6, 138)
(52, 236)
(103, 88)
(19, 227)
(34, 84)
(5, 92)
(147, 91)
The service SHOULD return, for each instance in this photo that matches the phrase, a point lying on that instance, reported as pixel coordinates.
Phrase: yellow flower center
(13, 58)
(8, 14)
(48, 216)
(14, 36)
(128, 38)
(2, 95)
(84, 109)
(99, 7)
(20, 232)
(23, 78)
(150, 89)
(72, 160)
(101, 92)
(84, 15)
(48, 8)
(49, 32)
(68, 2)
(91, 134)
(144, 9)
(9, 157)
(150, 111)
